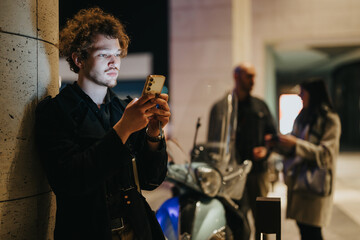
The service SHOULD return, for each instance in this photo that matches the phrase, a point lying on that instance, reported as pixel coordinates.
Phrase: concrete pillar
(207, 39)
(241, 31)
(28, 72)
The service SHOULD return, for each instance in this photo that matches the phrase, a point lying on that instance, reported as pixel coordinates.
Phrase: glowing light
(289, 107)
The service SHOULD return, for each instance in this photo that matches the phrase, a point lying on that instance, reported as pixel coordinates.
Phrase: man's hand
(259, 152)
(271, 140)
(142, 112)
(159, 113)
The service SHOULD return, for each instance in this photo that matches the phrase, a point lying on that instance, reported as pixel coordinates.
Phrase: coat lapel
(79, 115)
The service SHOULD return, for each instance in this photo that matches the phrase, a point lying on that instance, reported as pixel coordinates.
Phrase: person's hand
(159, 113)
(134, 117)
(259, 152)
(270, 140)
(143, 112)
(288, 141)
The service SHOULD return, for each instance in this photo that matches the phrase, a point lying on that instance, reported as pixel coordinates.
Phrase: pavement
(345, 222)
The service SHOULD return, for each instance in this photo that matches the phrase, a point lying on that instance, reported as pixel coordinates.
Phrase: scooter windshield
(222, 132)
(219, 150)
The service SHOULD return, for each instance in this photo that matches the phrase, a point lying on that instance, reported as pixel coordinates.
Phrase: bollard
(268, 217)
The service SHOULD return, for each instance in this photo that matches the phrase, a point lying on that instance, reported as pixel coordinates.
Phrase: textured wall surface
(317, 22)
(200, 53)
(208, 37)
(29, 71)
(202, 57)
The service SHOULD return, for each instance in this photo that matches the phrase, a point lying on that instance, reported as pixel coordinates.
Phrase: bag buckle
(117, 224)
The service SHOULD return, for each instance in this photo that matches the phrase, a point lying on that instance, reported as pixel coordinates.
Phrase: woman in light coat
(314, 142)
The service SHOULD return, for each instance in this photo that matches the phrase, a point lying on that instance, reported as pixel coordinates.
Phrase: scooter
(204, 193)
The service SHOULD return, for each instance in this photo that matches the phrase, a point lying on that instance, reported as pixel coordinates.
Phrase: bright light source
(289, 107)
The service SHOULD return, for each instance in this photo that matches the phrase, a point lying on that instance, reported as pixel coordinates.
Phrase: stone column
(241, 31)
(29, 71)
(207, 39)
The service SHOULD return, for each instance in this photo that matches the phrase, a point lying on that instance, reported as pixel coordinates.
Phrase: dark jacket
(86, 163)
(254, 121)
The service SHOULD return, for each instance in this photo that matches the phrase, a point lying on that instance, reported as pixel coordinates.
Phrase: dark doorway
(346, 95)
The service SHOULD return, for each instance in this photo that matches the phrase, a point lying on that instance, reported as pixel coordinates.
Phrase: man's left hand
(160, 113)
(259, 153)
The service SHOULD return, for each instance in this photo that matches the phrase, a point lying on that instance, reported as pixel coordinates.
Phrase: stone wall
(29, 71)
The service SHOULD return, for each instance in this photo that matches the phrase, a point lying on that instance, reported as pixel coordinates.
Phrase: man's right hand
(259, 153)
(136, 116)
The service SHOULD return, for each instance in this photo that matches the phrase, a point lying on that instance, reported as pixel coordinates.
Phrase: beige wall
(298, 24)
(29, 70)
(207, 38)
(201, 61)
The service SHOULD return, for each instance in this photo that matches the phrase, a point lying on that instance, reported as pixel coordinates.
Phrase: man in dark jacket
(90, 141)
(254, 121)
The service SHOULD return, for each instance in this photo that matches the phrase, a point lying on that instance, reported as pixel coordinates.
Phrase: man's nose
(114, 59)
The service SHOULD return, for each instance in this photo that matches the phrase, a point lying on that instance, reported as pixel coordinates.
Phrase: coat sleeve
(328, 147)
(153, 166)
(72, 169)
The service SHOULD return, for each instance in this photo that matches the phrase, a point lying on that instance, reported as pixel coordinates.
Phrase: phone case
(153, 84)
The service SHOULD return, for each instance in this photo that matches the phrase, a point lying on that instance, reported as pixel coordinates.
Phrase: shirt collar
(110, 95)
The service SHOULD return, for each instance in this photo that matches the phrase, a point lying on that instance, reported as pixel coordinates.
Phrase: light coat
(320, 145)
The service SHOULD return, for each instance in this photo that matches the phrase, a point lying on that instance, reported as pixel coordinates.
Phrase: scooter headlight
(209, 180)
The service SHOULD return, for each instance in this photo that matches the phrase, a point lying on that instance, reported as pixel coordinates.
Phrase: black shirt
(254, 122)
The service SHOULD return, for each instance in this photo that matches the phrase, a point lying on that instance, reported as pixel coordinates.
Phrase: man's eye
(103, 55)
(117, 55)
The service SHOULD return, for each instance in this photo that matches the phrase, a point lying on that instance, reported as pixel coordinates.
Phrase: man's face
(103, 62)
(245, 79)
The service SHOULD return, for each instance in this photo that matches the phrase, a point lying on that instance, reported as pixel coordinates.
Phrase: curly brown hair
(77, 35)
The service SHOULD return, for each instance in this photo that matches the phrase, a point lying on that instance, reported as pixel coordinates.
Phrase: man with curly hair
(90, 141)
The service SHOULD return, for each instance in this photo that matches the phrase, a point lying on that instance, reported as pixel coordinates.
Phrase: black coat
(81, 158)
(254, 121)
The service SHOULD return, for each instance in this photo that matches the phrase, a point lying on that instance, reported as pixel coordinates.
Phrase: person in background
(254, 121)
(90, 141)
(314, 140)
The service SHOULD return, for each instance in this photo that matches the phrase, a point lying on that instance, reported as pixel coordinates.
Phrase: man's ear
(77, 60)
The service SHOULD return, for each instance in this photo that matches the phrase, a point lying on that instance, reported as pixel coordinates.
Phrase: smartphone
(153, 84)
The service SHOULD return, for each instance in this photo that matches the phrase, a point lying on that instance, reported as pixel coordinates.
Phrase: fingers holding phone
(160, 111)
(148, 110)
